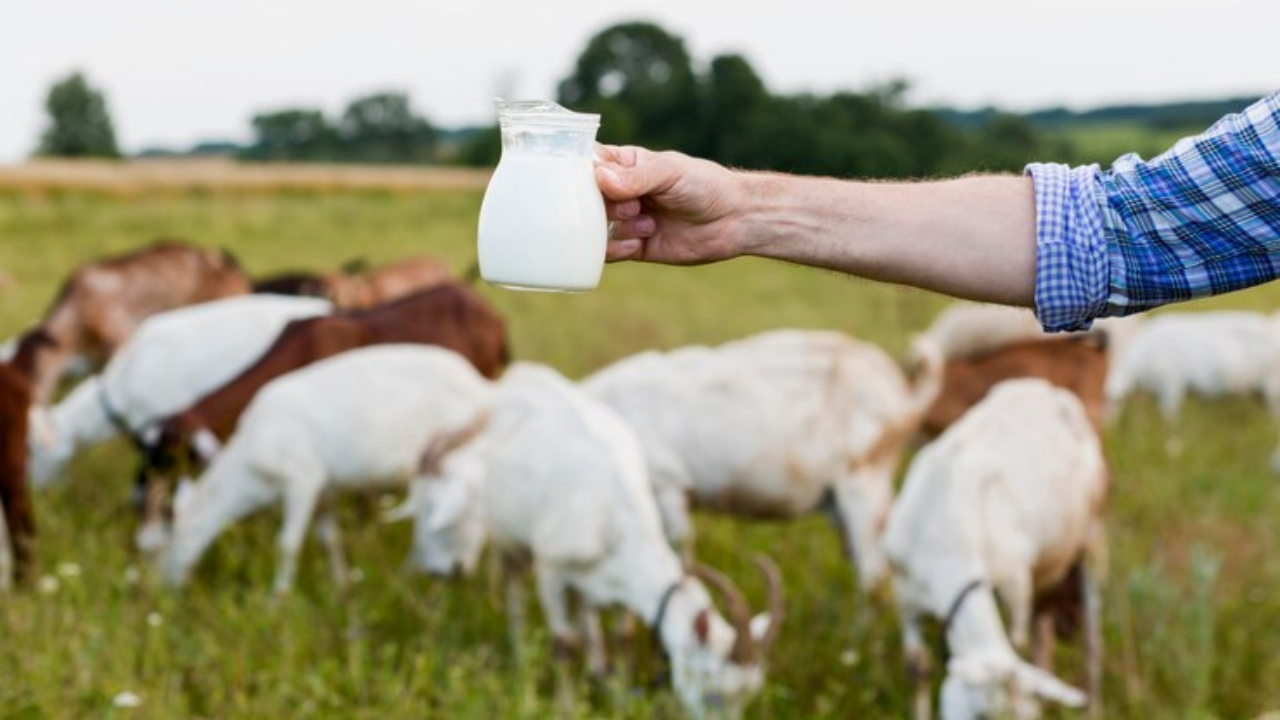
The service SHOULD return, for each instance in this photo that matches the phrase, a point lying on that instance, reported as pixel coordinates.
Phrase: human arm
(1077, 243)
(972, 237)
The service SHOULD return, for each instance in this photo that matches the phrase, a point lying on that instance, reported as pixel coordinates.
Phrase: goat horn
(433, 457)
(777, 609)
(744, 647)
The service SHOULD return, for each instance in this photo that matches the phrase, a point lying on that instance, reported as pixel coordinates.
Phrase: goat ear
(760, 625)
(1037, 682)
(450, 505)
(206, 444)
(702, 626)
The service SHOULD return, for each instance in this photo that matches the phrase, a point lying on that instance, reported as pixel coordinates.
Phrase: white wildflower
(47, 585)
(155, 619)
(68, 570)
(132, 575)
(126, 699)
(849, 658)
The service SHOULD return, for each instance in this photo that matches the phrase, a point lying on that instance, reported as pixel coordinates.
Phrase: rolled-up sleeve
(1201, 219)
(1071, 248)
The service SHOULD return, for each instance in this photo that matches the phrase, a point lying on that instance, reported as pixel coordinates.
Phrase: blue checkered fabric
(1201, 219)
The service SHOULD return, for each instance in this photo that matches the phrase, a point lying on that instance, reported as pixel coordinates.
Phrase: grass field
(1192, 614)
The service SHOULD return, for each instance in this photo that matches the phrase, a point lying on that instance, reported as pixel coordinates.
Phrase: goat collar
(113, 416)
(663, 603)
(958, 604)
(118, 421)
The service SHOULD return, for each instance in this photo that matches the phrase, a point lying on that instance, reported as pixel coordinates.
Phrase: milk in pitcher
(542, 223)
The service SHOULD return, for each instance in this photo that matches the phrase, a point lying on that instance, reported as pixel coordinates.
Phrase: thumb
(649, 174)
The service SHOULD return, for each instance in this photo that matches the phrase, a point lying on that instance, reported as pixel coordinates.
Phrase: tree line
(650, 91)
(644, 83)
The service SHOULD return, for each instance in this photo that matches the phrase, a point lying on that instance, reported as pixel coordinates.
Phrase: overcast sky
(177, 71)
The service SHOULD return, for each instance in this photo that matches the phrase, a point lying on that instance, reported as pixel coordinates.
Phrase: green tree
(1005, 142)
(79, 124)
(294, 134)
(640, 78)
(383, 128)
(735, 96)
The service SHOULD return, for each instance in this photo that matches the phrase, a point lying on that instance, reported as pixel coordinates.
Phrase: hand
(668, 207)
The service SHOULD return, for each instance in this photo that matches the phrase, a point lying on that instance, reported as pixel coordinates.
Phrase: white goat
(354, 422)
(169, 362)
(559, 477)
(775, 425)
(1211, 354)
(1006, 502)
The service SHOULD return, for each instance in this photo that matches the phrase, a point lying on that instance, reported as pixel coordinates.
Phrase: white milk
(542, 224)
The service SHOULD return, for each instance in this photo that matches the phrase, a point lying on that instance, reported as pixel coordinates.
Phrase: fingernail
(646, 225)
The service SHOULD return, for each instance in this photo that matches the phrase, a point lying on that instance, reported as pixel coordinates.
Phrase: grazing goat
(1073, 362)
(1006, 502)
(1212, 354)
(171, 360)
(103, 302)
(774, 426)
(360, 288)
(450, 315)
(357, 421)
(558, 478)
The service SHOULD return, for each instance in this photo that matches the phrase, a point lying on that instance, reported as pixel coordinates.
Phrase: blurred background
(303, 136)
(866, 89)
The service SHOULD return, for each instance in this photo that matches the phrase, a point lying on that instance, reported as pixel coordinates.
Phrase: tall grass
(1192, 602)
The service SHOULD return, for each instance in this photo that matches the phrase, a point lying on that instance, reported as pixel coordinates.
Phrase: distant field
(133, 177)
(1102, 143)
(1192, 602)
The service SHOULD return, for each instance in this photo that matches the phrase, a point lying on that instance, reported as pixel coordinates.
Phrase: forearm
(973, 237)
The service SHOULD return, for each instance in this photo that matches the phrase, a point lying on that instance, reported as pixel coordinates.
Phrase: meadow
(1192, 598)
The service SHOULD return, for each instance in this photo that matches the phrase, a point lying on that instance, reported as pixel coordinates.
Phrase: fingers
(638, 227)
(628, 249)
(623, 210)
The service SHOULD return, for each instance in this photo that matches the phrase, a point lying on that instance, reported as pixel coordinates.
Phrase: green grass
(1192, 602)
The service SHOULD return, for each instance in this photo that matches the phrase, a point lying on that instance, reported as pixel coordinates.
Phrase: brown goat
(103, 302)
(1077, 363)
(450, 315)
(15, 498)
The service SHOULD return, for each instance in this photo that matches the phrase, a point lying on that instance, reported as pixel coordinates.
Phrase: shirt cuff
(1072, 280)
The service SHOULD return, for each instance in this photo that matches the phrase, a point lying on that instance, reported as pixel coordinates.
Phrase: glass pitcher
(542, 223)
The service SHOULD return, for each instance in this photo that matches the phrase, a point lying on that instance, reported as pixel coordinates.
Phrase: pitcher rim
(544, 113)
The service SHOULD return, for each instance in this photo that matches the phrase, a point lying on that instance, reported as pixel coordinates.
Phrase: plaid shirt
(1201, 219)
